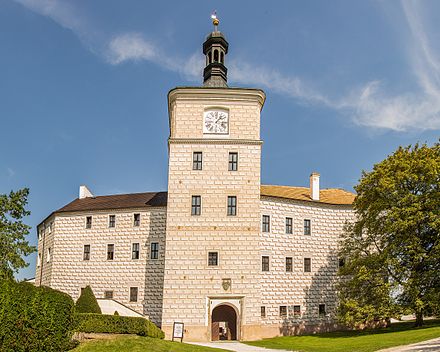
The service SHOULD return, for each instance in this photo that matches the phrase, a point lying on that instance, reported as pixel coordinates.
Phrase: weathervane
(215, 20)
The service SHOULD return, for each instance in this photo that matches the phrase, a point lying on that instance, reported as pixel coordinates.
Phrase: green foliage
(392, 250)
(87, 302)
(116, 313)
(34, 319)
(100, 323)
(13, 231)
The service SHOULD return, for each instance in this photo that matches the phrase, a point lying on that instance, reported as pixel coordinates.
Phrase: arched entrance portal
(224, 323)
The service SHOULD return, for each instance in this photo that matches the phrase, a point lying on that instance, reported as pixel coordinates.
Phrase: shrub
(87, 302)
(100, 323)
(33, 318)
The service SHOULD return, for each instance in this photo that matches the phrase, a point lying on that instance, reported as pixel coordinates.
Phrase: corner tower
(213, 260)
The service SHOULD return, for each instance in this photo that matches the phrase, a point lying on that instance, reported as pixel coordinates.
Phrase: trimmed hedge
(116, 324)
(34, 319)
(87, 302)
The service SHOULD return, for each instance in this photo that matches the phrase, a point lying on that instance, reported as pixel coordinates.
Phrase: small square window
(266, 223)
(289, 227)
(265, 263)
(110, 251)
(341, 262)
(307, 227)
(212, 258)
(86, 255)
(135, 251)
(154, 252)
(307, 265)
(108, 294)
(112, 221)
(297, 311)
(197, 161)
(283, 311)
(322, 312)
(196, 205)
(232, 205)
(263, 311)
(133, 294)
(233, 161)
(136, 219)
(289, 264)
(88, 222)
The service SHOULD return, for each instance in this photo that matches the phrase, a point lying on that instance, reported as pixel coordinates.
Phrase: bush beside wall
(34, 319)
(115, 324)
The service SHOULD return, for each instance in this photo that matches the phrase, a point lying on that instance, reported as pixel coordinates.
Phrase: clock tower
(213, 260)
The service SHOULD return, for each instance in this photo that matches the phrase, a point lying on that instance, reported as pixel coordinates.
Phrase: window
(197, 160)
(322, 311)
(297, 311)
(40, 234)
(233, 162)
(108, 294)
(232, 205)
(133, 294)
(86, 255)
(111, 220)
(48, 255)
(307, 265)
(265, 263)
(289, 264)
(136, 219)
(196, 205)
(283, 311)
(266, 223)
(135, 251)
(50, 227)
(263, 311)
(39, 260)
(212, 258)
(341, 262)
(88, 222)
(154, 253)
(307, 227)
(289, 227)
(110, 251)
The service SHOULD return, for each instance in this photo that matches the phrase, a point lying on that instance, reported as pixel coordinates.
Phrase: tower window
(136, 219)
(86, 255)
(135, 251)
(215, 55)
(110, 251)
(289, 227)
(133, 294)
(307, 227)
(232, 205)
(196, 205)
(212, 258)
(209, 57)
(222, 57)
(111, 220)
(88, 222)
(289, 264)
(265, 263)
(233, 161)
(307, 265)
(266, 223)
(154, 250)
(197, 160)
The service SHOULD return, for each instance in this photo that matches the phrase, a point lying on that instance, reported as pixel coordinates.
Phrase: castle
(220, 252)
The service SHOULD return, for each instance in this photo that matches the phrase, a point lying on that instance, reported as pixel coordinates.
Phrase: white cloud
(130, 46)
(11, 172)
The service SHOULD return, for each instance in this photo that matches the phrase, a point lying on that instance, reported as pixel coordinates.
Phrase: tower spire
(215, 49)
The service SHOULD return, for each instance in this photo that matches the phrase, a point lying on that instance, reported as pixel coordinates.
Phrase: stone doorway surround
(235, 302)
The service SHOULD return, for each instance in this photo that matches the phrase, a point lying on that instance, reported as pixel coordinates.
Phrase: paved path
(424, 346)
(235, 346)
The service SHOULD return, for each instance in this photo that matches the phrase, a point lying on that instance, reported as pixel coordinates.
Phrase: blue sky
(83, 88)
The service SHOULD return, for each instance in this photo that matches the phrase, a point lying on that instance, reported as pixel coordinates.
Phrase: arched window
(209, 57)
(222, 57)
(216, 55)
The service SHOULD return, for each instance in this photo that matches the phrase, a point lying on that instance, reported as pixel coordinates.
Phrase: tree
(87, 302)
(13, 245)
(392, 249)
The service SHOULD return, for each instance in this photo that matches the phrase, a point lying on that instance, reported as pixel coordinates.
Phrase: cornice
(213, 141)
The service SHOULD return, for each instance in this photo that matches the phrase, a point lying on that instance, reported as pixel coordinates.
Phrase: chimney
(84, 192)
(314, 186)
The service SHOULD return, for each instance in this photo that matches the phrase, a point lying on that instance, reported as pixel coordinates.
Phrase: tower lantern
(215, 49)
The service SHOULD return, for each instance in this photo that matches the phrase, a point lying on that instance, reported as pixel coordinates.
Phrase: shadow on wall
(155, 267)
(318, 312)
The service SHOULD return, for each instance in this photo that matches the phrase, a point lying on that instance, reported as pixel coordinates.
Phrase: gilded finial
(215, 20)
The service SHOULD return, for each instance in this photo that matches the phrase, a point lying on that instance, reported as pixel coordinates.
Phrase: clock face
(216, 121)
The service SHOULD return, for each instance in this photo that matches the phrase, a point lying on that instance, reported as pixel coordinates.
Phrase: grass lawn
(359, 341)
(130, 343)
